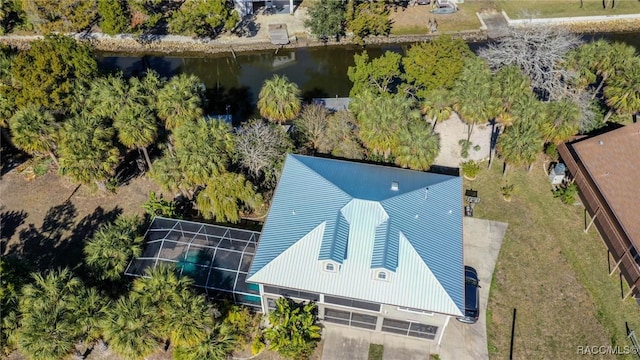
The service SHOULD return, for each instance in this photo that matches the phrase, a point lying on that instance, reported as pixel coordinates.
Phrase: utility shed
(606, 169)
(278, 34)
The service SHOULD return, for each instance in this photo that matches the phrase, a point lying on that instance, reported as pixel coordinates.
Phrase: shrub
(114, 16)
(470, 169)
(507, 190)
(158, 206)
(567, 193)
(551, 150)
(257, 345)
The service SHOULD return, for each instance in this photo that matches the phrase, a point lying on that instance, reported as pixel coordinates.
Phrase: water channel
(233, 84)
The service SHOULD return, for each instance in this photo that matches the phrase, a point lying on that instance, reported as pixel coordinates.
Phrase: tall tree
(539, 52)
(137, 128)
(225, 196)
(519, 144)
(342, 140)
(279, 99)
(367, 18)
(312, 125)
(112, 247)
(622, 94)
(87, 153)
(261, 150)
(35, 131)
(45, 74)
(474, 101)
(48, 327)
(418, 146)
(326, 19)
(562, 121)
(60, 16)
(130, 328)
(378, 75)
(180, 101)
(380, 120)
(437, 105)
(293, 332)
(114, 16)
(435, 64)
(204, 18)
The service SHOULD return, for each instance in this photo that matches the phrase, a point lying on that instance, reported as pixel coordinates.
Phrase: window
(291, 293)
(352, 303)
(381, 275)
(330, 267)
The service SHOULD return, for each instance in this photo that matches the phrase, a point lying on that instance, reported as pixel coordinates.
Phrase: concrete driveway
(482, 241)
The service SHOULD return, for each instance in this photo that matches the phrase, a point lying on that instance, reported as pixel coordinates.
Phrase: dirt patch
(453, 130)
(48, 218)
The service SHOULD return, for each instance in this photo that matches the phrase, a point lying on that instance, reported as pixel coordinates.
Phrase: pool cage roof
(217, 258)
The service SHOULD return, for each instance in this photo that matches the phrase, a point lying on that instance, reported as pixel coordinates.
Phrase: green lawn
(554, 274)
(565, 8)
(375, 352)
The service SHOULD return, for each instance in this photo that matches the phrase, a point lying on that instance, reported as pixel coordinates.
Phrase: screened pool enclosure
(217, 258)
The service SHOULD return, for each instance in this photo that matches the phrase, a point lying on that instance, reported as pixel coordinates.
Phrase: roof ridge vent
(394, 186)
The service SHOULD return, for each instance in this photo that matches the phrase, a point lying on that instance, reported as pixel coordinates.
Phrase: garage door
(350, 318)
(409, 328)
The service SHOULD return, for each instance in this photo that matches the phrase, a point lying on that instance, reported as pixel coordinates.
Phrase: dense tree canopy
(45, 74)
(35, 131)
(367, 18)
(114, 16)
(225, 196)
(379, 75)
(327, 19)
(435, 64)
(293, 332)
(61, 15)
(204, 18)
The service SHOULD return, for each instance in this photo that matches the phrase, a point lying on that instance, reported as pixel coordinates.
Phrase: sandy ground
(47, 219)
(451, 132)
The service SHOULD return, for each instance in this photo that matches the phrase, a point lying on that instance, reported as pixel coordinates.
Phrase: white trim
(351, 308)
(416, 311)
(334, 267)
(444, 327)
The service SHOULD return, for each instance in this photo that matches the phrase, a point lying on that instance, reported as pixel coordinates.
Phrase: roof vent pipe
(394, 186)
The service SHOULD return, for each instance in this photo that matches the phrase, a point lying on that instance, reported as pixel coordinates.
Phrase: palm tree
(180, 101)
(419, 147)
(130, 328)
(218, 344)
(190, 320)
(622, 94)
(437, 106)
(137, 128)
(520, 144)
(293, 332)
(279, 99)
(87, 153)
(561, 122)
(166, 172)
(611, 59)
(90, 308)
(35, 131)
(113, 246)
(106, 96)
(474, 102)
(380, 120)
(223, 196)
(48, 327)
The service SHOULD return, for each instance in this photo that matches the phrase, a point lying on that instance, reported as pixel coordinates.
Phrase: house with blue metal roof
(376, 247)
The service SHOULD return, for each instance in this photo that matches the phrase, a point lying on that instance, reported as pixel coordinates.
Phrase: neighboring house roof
(333, 104)
(612, 161)
(348, 213)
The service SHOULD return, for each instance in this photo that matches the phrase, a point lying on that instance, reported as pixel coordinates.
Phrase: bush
(470, 169)
(257, 345)
(551, 150)
(158, 206)
(507, 190)
(241, 323)
(114, 16)
(567, 193)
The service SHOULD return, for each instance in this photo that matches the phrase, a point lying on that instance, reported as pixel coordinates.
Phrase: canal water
(233, 83)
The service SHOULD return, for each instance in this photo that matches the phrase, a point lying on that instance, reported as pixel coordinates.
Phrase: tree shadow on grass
(59, 241)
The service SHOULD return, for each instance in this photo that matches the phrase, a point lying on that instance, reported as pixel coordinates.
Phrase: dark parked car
(471, 296)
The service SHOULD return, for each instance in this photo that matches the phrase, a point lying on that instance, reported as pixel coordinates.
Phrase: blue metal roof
(337, 201)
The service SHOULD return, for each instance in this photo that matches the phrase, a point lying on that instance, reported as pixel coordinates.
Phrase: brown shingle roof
(613, 162)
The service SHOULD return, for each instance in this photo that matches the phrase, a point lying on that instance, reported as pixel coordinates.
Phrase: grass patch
(554, 274)
(375, 351)
(409, 30)
(565, 8)
(415, 19)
